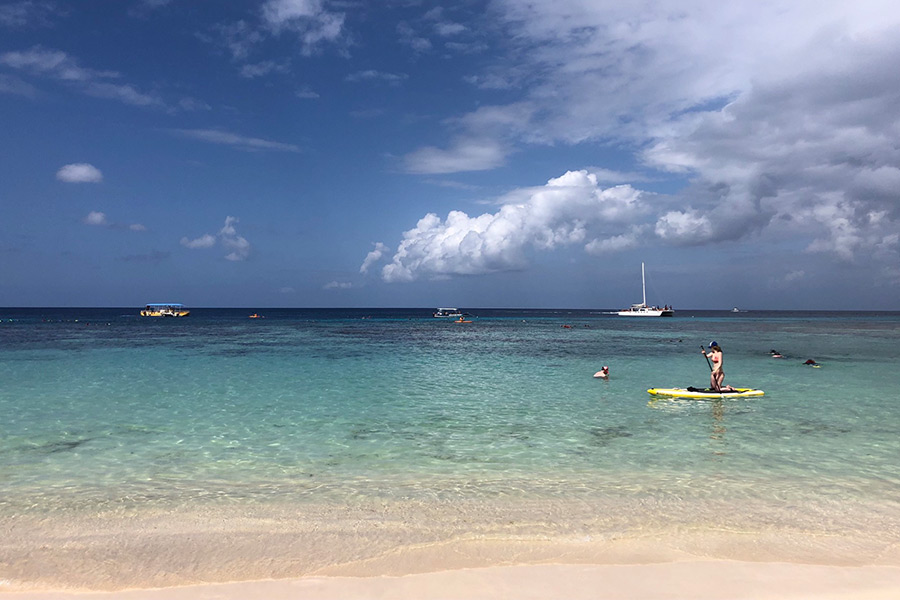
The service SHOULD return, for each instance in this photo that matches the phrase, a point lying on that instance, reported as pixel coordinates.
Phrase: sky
(491, 153)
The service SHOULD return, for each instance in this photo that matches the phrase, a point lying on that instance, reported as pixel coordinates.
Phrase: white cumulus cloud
(237, 246)
(204, 241)
(684, 227)
(571, 209)
(95, 218)
(79, 173)
(373, 257)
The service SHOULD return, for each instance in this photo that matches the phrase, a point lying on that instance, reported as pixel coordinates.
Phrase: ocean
(494, 429)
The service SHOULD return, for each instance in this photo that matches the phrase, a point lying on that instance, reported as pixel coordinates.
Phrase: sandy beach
(695, 580)
(437, 550)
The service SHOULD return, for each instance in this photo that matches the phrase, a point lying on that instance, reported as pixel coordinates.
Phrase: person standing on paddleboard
(717, 375)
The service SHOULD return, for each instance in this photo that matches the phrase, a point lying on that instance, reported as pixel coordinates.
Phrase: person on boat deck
(602, 373)
(717, 376)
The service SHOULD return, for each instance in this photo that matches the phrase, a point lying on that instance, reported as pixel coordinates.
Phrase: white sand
(449, 550)
(696, 580)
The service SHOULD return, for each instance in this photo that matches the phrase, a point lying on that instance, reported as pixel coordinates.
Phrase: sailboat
(642, 310)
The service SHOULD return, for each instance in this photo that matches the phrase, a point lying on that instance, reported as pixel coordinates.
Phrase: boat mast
(643, 285)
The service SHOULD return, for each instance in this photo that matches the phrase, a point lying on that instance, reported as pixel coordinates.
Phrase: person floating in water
(776, 354)
(811, 363)
(602, 373)
(717, 376)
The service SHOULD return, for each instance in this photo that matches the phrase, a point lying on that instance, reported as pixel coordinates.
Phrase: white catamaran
(642, 310)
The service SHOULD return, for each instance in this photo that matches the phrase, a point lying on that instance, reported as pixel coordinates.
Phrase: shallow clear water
(101, 407)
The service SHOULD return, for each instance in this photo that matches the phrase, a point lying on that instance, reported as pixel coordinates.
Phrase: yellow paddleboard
(701, 393)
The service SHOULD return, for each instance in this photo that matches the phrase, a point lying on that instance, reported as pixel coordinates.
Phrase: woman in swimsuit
(718, 373)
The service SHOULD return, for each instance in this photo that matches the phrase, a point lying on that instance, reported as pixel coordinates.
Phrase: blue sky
(476, 154)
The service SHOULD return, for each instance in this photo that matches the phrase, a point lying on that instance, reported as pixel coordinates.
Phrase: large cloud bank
(781, 119)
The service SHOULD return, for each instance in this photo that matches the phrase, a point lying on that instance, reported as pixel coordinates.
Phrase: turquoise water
(102, 407)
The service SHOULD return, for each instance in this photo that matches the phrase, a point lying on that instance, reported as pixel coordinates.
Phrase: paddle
(703, 350)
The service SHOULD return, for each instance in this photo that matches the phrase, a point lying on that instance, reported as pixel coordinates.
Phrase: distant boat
(736, 309)
(642, 310)
(256, 316)
(446, 313)
(165, 310)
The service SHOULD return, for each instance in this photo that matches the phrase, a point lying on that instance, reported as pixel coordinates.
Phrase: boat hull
(165, 310)
(156, 313)
(646, 313)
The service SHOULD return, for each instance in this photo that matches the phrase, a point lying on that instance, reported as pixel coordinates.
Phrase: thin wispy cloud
(28, 13)
(14, 85)
(484, 142)
(309, 20)
(447, 29)
(189, 104)
(306, 94)
(368, 113)
(58, 66)
(241, 142)
(373, 75)
(96, 218)
(155, 256)
(240, 38)
(261, 69)
(411, 38)
(466, 154)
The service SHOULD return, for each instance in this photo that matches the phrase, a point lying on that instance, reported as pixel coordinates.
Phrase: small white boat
(447, 313)
(642, 310)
